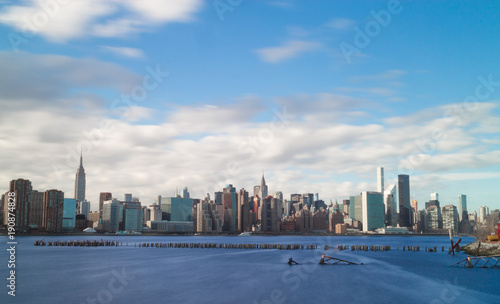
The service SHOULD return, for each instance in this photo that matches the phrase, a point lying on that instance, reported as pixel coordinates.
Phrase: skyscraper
(53, 208)
(132, 216)
(36, 209)
(177, 209)
(69, 214)
(449, 215)
(185, 192)
(230, 203)
(380, 179)
(345, 205)
(390, 202)
(434, 196)
(5, 197)
(80, 185)
(103, 196)
(307, 199)
(268, 214)
(263, 188)
(85, 208)
(244, 223)
(483, 212)
(355, 208)
(433, 219)
(203, 218)
(22, 190)
(111, 216)
(404, 200)
(372, 210)
(434, 201)
(462, 207)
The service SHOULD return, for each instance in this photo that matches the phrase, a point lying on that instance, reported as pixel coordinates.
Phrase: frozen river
(129, 274)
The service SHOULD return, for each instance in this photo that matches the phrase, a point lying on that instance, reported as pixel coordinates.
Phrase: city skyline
(159, 96)
(403, 182)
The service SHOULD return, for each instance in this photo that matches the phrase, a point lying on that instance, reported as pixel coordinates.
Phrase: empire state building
(80, 184)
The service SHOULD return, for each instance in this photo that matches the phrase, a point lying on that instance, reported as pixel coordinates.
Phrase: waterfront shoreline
(235, 234)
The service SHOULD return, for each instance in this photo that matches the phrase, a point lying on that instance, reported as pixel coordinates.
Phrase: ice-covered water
(130, 274)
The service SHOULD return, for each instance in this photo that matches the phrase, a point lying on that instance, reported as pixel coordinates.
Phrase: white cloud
(103, 18)
(51, 76)
(125, 51)
(323, 143)
(287, 51)
(164, 11)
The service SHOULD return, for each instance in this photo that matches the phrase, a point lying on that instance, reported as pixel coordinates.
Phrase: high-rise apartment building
(473, 216)
(483, 212)
(21, 189)
(53, 210)
(345, 205)
(433, 219)
(304, 220)
(36, 209)
(203, 218)
(450, 217)
(3, 199)
(155, 213)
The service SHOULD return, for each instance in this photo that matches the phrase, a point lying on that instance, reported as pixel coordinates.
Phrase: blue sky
(252, 86)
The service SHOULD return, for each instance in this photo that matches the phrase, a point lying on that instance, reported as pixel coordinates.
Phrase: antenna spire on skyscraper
(81, 158)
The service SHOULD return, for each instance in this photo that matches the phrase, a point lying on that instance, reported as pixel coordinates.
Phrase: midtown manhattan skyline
(159, 95)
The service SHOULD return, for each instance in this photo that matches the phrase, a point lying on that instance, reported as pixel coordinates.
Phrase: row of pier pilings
(228, 246)
(387, 248)
(364, 247)
(87, 243)
(110, 243)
